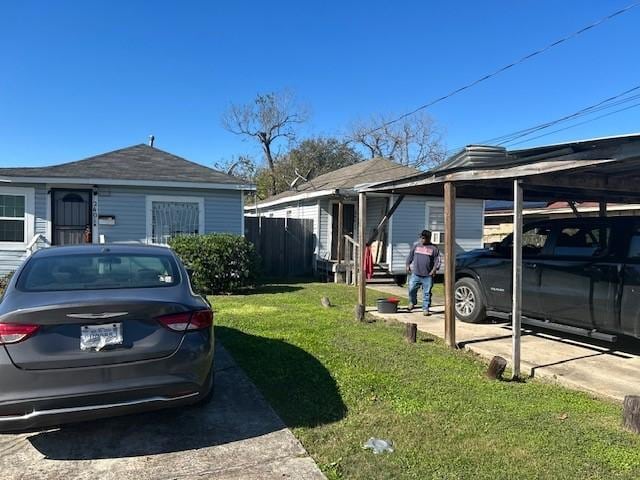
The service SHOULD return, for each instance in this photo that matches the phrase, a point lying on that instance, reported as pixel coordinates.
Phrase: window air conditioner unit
(437, 237)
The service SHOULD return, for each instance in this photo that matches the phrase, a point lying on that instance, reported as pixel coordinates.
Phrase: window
(634, 245)
(583, 241)
(12, 218)
(16, 216)
(534, 240)
(435, 223)
(98, 271)
(171, 216)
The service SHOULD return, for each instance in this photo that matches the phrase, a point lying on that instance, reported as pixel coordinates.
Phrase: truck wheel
(469, 303)
(400, 280)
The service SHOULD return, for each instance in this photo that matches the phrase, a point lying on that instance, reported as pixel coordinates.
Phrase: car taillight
(14, 332)
(187, 321)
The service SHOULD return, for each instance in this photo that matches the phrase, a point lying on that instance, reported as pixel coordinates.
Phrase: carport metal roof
(600, 169)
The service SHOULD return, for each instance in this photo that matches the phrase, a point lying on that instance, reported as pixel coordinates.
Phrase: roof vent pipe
(151, 139)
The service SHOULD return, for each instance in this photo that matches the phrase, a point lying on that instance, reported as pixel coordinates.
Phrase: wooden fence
(285, 245)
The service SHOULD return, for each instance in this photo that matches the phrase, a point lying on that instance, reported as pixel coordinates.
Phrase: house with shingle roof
(138, 194)
(319, 199)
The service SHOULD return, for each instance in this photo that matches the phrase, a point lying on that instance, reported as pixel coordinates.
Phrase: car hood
(466, 257)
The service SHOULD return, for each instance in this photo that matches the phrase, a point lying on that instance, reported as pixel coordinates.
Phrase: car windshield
(98, 271)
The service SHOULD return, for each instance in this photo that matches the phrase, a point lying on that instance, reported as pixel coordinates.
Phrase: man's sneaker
(426, 313)
(411, 307)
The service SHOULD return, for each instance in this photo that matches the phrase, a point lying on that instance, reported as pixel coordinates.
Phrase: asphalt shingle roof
(139, 162)
(372, 171)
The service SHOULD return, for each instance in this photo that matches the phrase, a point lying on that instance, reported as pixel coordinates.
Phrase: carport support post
(516, 305)
(602, 208)
(362, 232)
(340, 274)
(450, 263)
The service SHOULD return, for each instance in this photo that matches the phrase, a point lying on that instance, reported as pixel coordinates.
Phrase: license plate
(96, 337)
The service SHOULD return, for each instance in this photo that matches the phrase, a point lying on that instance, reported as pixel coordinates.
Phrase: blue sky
(82, 78)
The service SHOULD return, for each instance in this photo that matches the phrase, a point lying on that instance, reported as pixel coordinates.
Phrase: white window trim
(29, 195)
(427, 218)
(171, 198)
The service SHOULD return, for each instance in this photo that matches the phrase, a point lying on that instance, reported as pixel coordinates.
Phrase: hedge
(220, 262)
(4, 281)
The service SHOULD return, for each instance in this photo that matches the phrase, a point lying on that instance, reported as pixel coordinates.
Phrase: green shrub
(4, 281)
(221, 263)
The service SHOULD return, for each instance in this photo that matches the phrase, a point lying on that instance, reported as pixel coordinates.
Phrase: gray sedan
(101, 330)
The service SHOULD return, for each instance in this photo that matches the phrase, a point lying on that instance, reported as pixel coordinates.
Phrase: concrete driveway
(238, 436)
(602, 369)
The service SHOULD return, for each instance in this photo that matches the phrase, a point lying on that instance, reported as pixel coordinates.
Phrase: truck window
(534, 240)
(583, 241)
(634, 244)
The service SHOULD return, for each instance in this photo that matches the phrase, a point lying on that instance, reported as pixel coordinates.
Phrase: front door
(71, 215)
(348, 222)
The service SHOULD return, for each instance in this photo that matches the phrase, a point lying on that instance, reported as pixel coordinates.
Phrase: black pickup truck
(583, 273)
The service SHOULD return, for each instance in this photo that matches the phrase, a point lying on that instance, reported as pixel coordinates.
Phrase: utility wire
(602, 105)
(579, 123)
(605, 104)
(506, 67)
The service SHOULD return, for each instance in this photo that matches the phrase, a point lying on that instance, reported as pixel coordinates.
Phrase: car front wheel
(469, 304)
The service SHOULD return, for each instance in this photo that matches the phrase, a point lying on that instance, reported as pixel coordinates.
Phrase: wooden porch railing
(351, 260)
(32, 246)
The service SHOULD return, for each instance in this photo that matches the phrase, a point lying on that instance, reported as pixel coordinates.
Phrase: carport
(600, 170)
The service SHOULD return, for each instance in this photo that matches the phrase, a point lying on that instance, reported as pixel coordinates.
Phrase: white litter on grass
(378, 445)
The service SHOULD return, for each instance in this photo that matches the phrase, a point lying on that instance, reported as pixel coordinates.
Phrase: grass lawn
(336, 383)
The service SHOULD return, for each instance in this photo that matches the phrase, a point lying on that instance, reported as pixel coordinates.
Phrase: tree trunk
(266, 146)
(631, 413)
(411, 332)
(496, 368)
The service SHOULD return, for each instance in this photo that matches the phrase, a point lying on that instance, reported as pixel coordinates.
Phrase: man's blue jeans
(415, 282)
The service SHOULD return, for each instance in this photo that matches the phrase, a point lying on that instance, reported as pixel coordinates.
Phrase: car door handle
(532, 266)
(593, 269)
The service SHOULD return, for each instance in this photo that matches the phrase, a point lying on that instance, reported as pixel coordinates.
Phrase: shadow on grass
(269, 289)
(295, 383)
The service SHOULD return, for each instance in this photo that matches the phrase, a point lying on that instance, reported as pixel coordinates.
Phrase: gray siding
(324, 237)
(411, 217)
(376, 207)
(11, 259)
(41, 209)
(222, 211)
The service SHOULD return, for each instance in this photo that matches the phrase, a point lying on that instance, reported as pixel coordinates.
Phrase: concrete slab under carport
(610, 371)
(237, 436)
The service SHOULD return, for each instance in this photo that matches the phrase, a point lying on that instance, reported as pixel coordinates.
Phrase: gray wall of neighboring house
(412, 216)
(416, 213)
(324, 239)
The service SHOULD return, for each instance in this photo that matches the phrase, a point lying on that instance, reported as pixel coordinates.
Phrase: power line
(506, 67)
(579, 123)
(605, 104)
(602, 105)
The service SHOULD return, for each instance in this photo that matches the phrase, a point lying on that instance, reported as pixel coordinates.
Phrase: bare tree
(413, 141)
(269, 117)
(242, 166)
